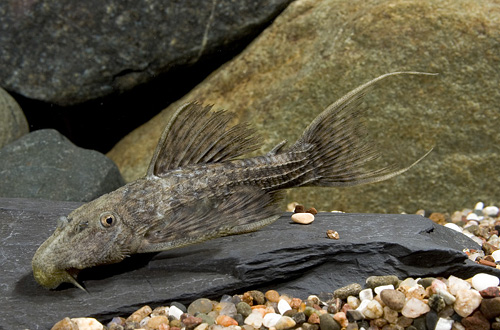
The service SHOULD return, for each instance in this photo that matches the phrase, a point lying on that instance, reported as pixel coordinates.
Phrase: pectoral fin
(244, 210)
(195, 135)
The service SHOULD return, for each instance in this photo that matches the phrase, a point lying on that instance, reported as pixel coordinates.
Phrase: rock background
(294, 259)
(44, 164)
(67, 52)
(316, 51)
(13, 123)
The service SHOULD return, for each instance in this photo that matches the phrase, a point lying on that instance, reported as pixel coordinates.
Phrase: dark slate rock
(70, 51)
(294, 259)
(44, 164)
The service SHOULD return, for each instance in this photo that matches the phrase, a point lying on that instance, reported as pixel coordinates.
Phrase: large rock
(316, 51)
(70, 51)
(44, 164)
(13, 123)
(292, 258)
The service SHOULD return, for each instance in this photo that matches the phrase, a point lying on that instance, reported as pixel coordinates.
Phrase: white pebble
(467, 301)
(175, 312)
(479, 206)
(490, 211)
(455, 284)
(472, 216)
(444, 324)
(373, 310)
(366, 294)
(453, 227)
(283, 306)
(449, 299)
(255, 319)
(414, 307)
(87, 323)
(353, 302)
(303, 218)
(270, 319)
(482, 281)
(379, 289)
(496, 255)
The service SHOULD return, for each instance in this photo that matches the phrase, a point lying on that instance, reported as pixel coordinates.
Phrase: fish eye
(108, 220)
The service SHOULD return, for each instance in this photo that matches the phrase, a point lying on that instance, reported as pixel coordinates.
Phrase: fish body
(197, 187)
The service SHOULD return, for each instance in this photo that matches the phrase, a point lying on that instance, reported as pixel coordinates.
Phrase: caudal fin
(338, 144)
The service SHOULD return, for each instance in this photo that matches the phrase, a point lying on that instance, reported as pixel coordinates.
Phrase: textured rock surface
(13, 123)
(71, 51)
(44, 164)
(316, 51)
(288, 257)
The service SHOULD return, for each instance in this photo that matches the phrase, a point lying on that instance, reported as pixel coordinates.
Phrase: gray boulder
(44, 164)
(13, 123)
(70, 51)
(291, 258)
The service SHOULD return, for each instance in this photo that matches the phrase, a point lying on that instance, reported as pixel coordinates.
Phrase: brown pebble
(140, 314)
(272, 296)
(258, 297)
(393, 299)
(312, 210)
(299, 209)
(487, 263)
(155, 321)
(332, 234)
(476, 321)
(313, 319)
(191, 321)
(295, 303)
(65, 324)
(490, 292)
(490, 307)
(489, 248)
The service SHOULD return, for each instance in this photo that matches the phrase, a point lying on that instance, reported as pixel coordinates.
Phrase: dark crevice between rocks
(99, 124)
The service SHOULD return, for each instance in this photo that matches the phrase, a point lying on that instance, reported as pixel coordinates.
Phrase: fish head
(94, 234)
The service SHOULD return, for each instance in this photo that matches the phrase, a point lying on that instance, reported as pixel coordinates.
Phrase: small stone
(476, 321)
(490, 292)
(270, 320)
(393, 299)
(272, 296)
(202, 305)
(455, 284)
(346, 291)
(482, 281)
(309, 326)
(299, 209)
(155, 321)
(414, 307)
(285, 322)
(373, 310)
(436, 302)
(299, 318)
(313, 318)
(243, 308)
(490, 307)
(87, 323)
(65, 324)
(353, 302)
(427, 281)
(438, 218)
(489, 248)
(444, 324)
(390, 315)
(175, 312)
(379, 289)
(312, 210)
(496, 255)
(327, 322)
(140, 314)
(226, 308)
(366, 294)
(225, 320)
(203, 326)
(491, 211)
(332, 234)
(467, 301)
(254, 319)
(431, 319)
(258, 297)
(295, 303)
(354, 315)
(375, 281)
(303, 218)
(449, 299)
(179, 306)
(283, 306)
(472, 216)
(454, 227)
(208, 319)
(341, 319)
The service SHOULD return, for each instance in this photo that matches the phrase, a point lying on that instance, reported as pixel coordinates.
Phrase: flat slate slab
(291, 258)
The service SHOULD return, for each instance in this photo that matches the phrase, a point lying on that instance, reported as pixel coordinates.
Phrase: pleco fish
(196, 189)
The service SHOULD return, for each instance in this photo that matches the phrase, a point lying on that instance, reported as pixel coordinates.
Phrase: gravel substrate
(382, 302)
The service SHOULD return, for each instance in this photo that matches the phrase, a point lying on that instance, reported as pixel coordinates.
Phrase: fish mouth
(53, 278)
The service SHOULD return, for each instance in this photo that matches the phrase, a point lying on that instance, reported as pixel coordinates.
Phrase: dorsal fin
(195, 135)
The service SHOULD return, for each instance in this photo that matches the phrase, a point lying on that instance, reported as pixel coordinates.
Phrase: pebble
(202, 305)
(366, 294)
(285, 322)
(155, 321)
(476, 321)
(490, 307)
(449, 299)
(444, 324)
(283, 306)
(379, 289)
(454, 227)
(467, 301)
(332, 234)
(255, 319)
(482, 281)
(87, 323)
(455, 284)
(270, 319)
(65, 324)
(225, 320)
(140, 314)
(243, 308)
(393, 299)
(327, 322)
(272, 296)
(375, 281)
(175, 312)
(303, 218)
(414, 307)
(373, 310)
(491, 211)
(353, 302)
(346, 291)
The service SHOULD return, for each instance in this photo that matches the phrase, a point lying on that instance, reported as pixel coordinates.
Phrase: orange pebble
(225, 321)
